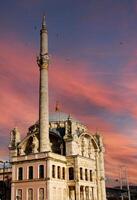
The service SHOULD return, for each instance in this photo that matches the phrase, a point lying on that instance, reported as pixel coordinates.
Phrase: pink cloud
(76, 81)
(17, 68)
(19, 105)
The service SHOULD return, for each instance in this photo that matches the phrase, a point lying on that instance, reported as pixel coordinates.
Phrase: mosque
(59, 159)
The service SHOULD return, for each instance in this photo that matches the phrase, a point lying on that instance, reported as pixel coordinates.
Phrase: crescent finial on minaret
(44, 22)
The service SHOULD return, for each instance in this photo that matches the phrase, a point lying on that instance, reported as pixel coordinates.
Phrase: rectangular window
(58, 172)
(53, 171)
(20, 173)
(63, 173)
(81, 173)
(90, 175)
(30, 194)
(71, 173)
(19, 194)
(30, 172)
(86, 174)
(41, 171)
(41, 194)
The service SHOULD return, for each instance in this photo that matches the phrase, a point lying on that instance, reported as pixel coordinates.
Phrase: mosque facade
(59, 158)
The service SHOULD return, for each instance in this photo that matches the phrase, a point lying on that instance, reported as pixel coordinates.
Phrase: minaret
(43, 63)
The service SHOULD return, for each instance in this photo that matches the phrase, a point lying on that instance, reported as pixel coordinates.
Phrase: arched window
(86, 174)
(87, 192)
(81, 173)
(81, 192)
(53, 171)
(19, 194)
(58, 171)
(72, 192)
(90, 175)
(30, 194)
(30, 172)
(20, 173)
(41, 194)
(71, 173)
(41, 171)
(63, 173)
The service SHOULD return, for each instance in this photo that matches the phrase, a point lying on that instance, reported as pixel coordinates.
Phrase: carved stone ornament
(43, 61)
(35, 144)
(14, 137)
(82, 146)
(21, 151)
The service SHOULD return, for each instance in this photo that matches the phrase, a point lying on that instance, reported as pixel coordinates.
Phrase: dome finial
(57, 107)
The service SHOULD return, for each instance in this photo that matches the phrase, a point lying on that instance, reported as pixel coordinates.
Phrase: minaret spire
(44, 22)
(43, 63)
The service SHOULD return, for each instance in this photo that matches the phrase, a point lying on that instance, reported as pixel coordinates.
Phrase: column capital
(43, 61)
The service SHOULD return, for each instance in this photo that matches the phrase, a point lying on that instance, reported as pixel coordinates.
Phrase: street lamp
(123, 172)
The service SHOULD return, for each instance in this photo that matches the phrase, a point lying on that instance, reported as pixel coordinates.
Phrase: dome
(55, 132)
(60, 116)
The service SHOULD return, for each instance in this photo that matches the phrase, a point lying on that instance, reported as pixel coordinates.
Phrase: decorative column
(43, 63)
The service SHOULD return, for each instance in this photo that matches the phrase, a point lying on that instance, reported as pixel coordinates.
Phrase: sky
(92, 72)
